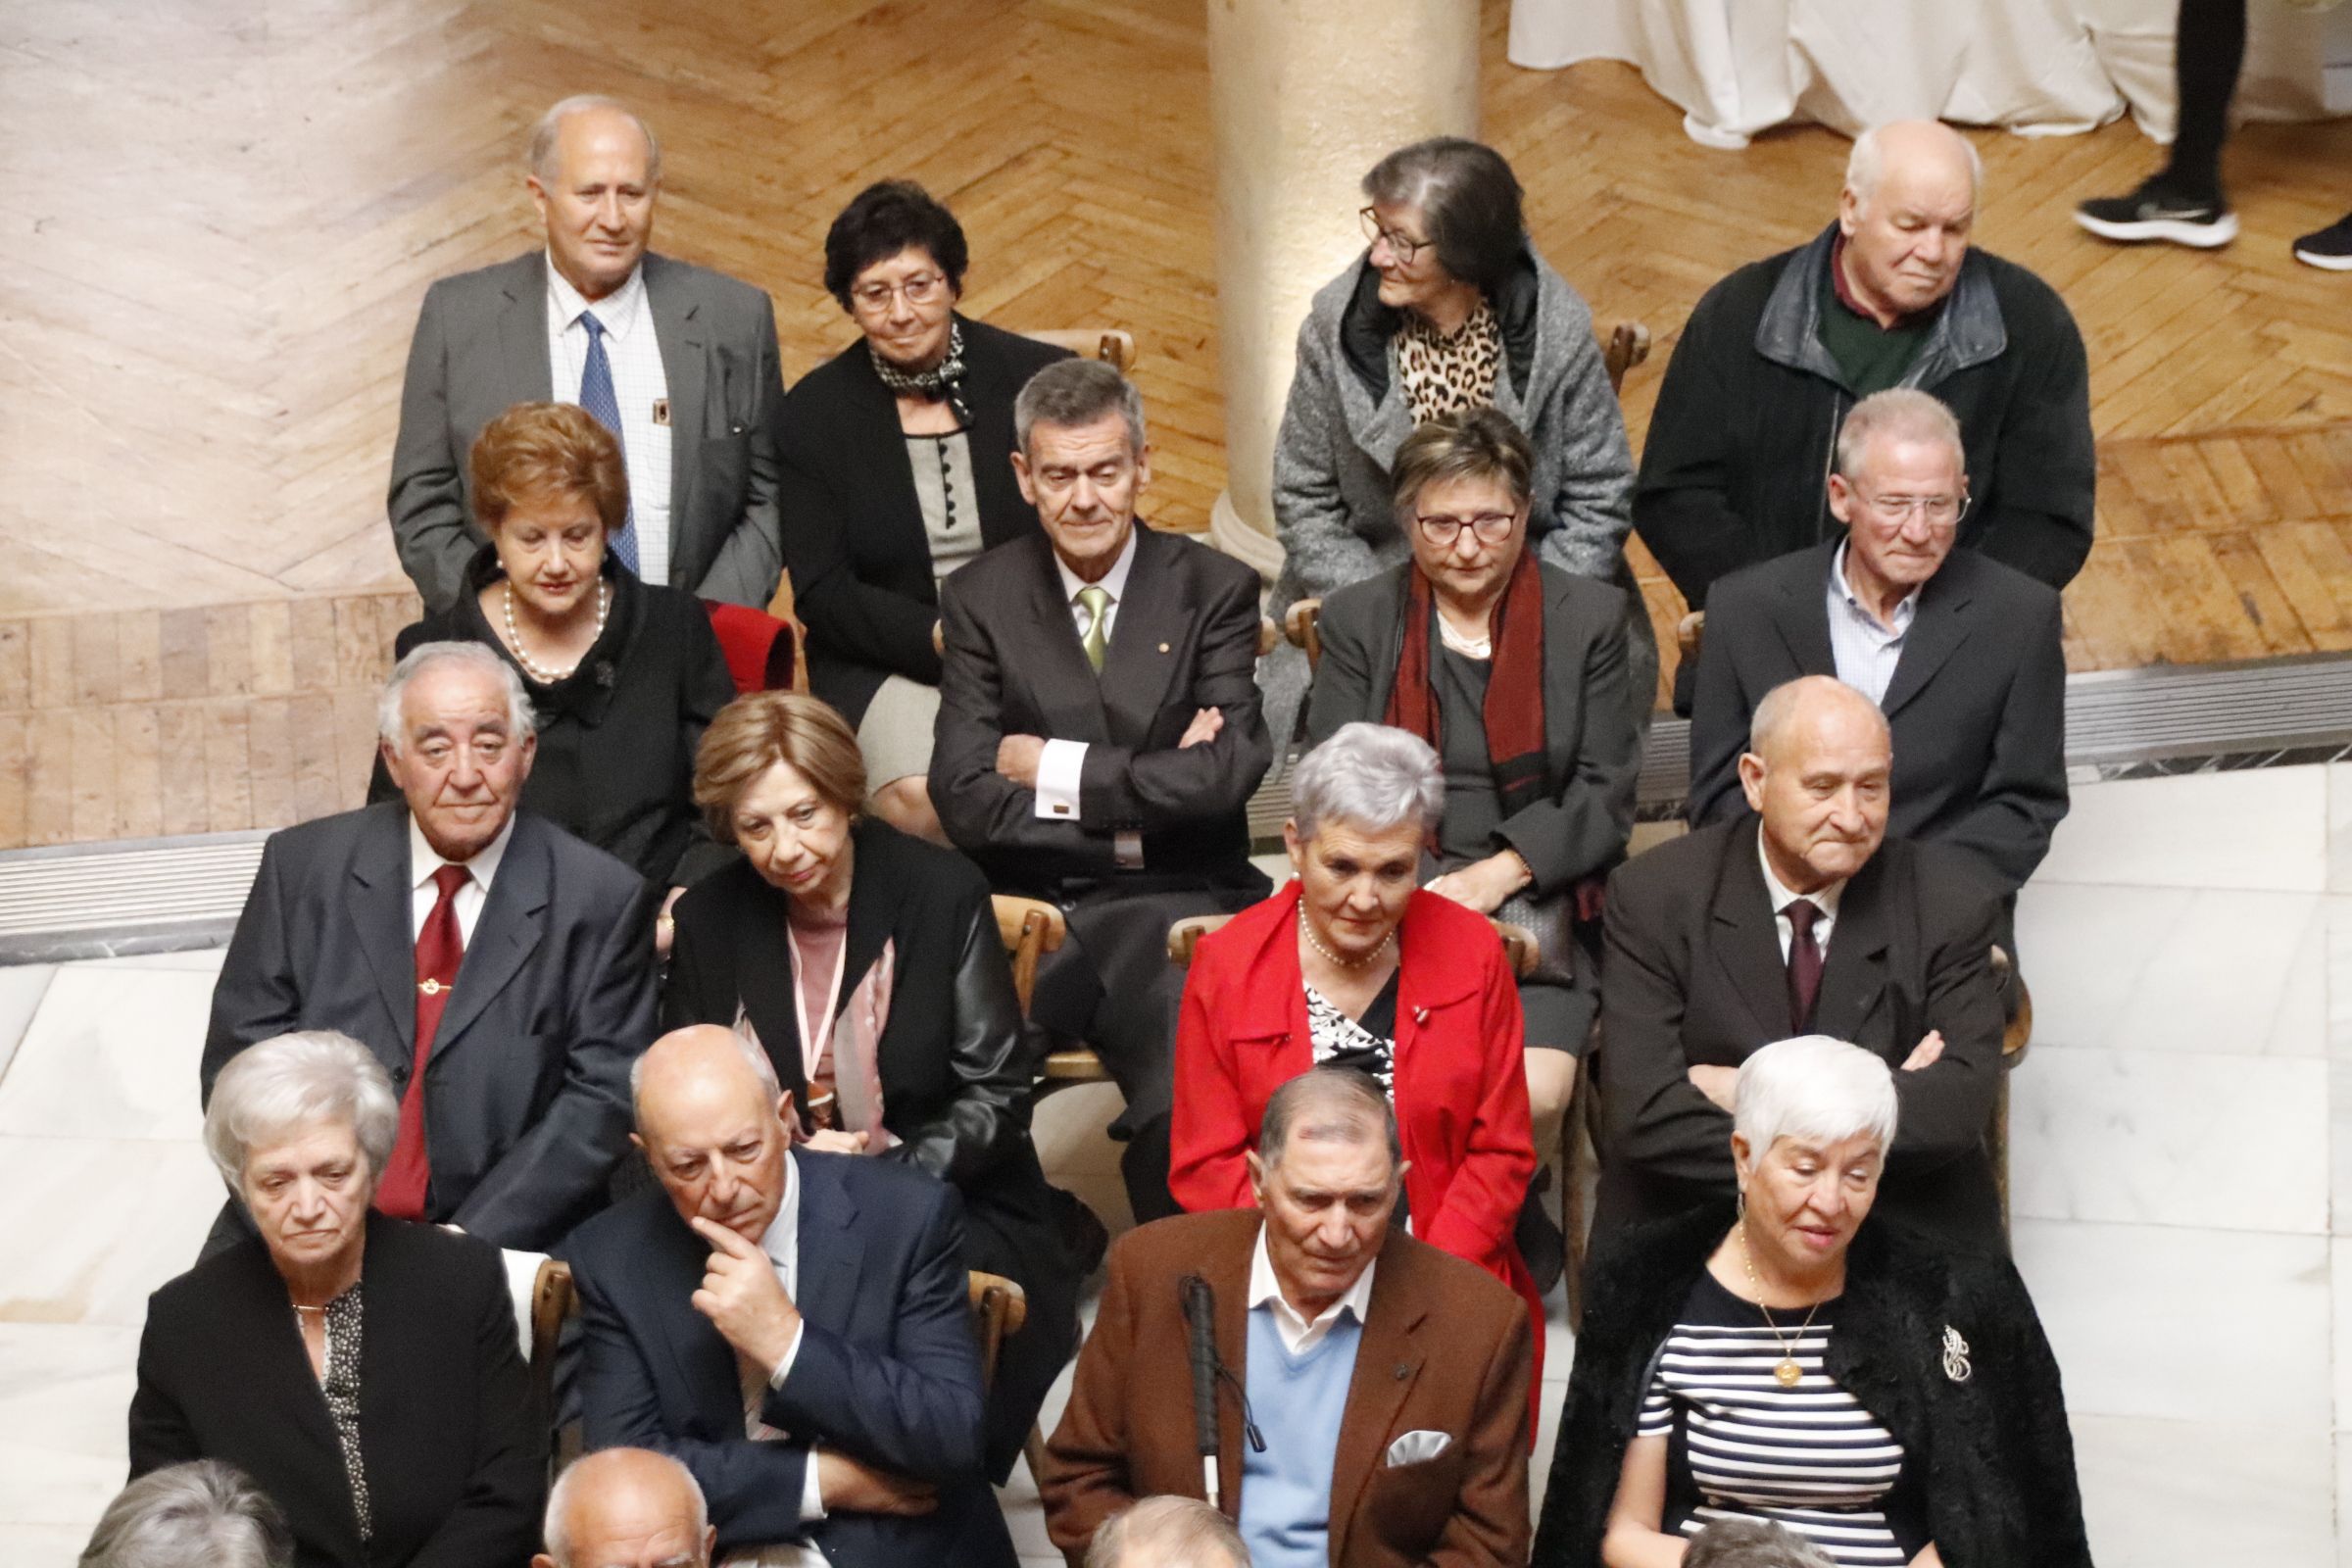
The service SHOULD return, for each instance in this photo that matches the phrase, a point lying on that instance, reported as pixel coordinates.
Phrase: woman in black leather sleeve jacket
(919, 1051)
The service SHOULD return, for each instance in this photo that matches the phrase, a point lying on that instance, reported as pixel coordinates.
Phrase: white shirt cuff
(813, 1497)
(1060, 770)
(775, 1379)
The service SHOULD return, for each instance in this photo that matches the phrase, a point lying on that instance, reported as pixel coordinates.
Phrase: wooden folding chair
(1031, 928)
(1299, 625)
(1108, 344)
(1627, 347)
(2016, 1036)
(554, 1301)
(1000, 1307)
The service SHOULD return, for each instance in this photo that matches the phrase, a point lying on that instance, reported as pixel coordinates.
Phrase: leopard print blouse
(1441, 374)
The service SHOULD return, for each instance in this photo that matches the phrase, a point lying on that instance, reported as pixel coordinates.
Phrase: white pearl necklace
(530, 667)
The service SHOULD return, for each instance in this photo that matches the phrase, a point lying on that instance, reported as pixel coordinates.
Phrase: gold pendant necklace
(1788, 1374)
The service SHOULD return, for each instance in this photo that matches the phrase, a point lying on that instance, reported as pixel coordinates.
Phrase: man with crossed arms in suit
(1100, 734)
(1387, 1380)
(1803, 919)
(678, 362)
(500, 969)
(794, 1327)
(1960, 651)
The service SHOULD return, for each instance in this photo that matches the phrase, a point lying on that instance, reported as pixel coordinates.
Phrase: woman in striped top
(1799, 1364)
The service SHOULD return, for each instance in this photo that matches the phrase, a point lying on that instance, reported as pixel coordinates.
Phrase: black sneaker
(2330, 248)
(2156, 211)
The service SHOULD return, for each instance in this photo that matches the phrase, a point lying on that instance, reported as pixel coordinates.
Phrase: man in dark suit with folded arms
(1099, 735)
(792, 1326)
(1804, 919)
(501, 969)
(1388, 1381)
(678, 362)
(1960, 651)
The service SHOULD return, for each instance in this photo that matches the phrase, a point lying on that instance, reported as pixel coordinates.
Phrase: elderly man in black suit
(1100, 734)
(792, 1327)
(1959, 651)
(499, 968)
(678, 362)
(1804, 919)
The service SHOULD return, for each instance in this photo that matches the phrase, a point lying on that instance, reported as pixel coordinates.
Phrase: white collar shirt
(1779, 895)
(1061, 767)
(424, 893)
(640, 391)
(1866, 652)
(1298, 1334)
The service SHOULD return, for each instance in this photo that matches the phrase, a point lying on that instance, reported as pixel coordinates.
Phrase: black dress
(854, 544)
(616, 737)
(957, 1064)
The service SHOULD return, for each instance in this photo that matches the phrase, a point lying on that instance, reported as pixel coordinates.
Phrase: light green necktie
(1096, 601)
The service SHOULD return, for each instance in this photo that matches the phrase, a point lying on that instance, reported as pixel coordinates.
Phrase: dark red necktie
(440, 948)
(1804, 962)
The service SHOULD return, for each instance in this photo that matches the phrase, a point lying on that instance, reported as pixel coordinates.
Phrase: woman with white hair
(1355, 964)
(363, 1370)
(202, 1514)
(1889, 1400)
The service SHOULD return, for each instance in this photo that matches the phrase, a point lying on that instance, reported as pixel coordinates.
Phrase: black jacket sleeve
(2046, 474)
(1683, 498)
(992, 1056)
(497, 1519)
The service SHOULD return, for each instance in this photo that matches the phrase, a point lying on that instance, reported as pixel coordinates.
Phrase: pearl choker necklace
(530, 667)
(1308, 930)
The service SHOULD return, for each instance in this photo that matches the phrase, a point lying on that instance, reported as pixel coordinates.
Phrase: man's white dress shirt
(423, 893)
(1060, 768)
(640, 388)
(1298, 1334)
(1822, 899)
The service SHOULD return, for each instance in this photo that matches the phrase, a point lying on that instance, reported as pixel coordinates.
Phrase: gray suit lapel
(1745, 938)
(522, 348)
(1146, 638)
(381, 914)
(684, 340)
(507, 933)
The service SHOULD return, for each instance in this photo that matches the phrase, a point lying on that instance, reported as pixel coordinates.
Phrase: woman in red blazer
(1352, 965)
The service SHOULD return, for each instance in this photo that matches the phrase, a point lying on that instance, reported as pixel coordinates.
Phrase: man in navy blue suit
(792, 1326)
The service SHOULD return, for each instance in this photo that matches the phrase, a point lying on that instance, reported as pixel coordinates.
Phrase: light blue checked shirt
(1866, 652)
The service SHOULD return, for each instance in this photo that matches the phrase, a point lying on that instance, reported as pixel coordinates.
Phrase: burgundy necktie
(1804, 962)
(440, 948)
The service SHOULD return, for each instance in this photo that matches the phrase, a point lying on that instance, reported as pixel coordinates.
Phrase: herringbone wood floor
(221, 220)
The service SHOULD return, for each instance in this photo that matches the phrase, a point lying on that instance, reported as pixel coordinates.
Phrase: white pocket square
(1415, 1446)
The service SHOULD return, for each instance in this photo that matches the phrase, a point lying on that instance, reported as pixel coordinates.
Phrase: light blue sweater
(1298, 1401)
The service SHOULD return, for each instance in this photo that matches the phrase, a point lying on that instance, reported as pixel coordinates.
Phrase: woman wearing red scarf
(1514, 670)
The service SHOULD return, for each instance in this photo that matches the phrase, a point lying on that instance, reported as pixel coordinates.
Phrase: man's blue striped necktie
(596, 396)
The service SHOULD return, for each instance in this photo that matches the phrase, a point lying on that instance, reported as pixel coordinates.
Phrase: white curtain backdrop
(2037, 67)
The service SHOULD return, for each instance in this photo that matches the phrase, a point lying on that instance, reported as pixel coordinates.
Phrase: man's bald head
(713, 1125)
(627, 1508)
(1817, 769)
(1907, 211)
(1912, 148)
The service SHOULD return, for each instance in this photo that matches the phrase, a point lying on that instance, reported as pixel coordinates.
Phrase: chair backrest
(553, 1301)
(1108, 344)
(1184, 938)
(1299, 625)
(1627, 347)
(1689, 636)
(1000, 1307)
(1029, 928)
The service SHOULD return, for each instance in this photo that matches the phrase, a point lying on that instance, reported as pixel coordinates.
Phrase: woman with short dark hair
(896, 457)
(866, 964)
(1448, 308)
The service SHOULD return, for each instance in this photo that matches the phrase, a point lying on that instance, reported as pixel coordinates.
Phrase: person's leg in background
(2183, 202)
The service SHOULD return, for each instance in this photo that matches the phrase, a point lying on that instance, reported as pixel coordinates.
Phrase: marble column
(1305, 96)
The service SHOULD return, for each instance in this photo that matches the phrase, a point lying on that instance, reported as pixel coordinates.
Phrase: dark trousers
(2209, 49)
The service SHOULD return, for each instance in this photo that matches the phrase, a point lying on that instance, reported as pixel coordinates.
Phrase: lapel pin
(1403, 1371)
(1163, 648)
(1955, 1355)
(661, 411)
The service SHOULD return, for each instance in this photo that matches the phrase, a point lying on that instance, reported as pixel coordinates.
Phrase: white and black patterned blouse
(1809, 1457)
(1367, 1044)
(344, 1316)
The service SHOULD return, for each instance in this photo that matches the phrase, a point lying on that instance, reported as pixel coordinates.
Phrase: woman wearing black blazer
(363, 1371)
(897, 468)
(919, 1052)
(622, 674)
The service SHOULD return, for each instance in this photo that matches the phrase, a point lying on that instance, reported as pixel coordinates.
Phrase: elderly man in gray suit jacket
(678, 362)
(501, 969)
